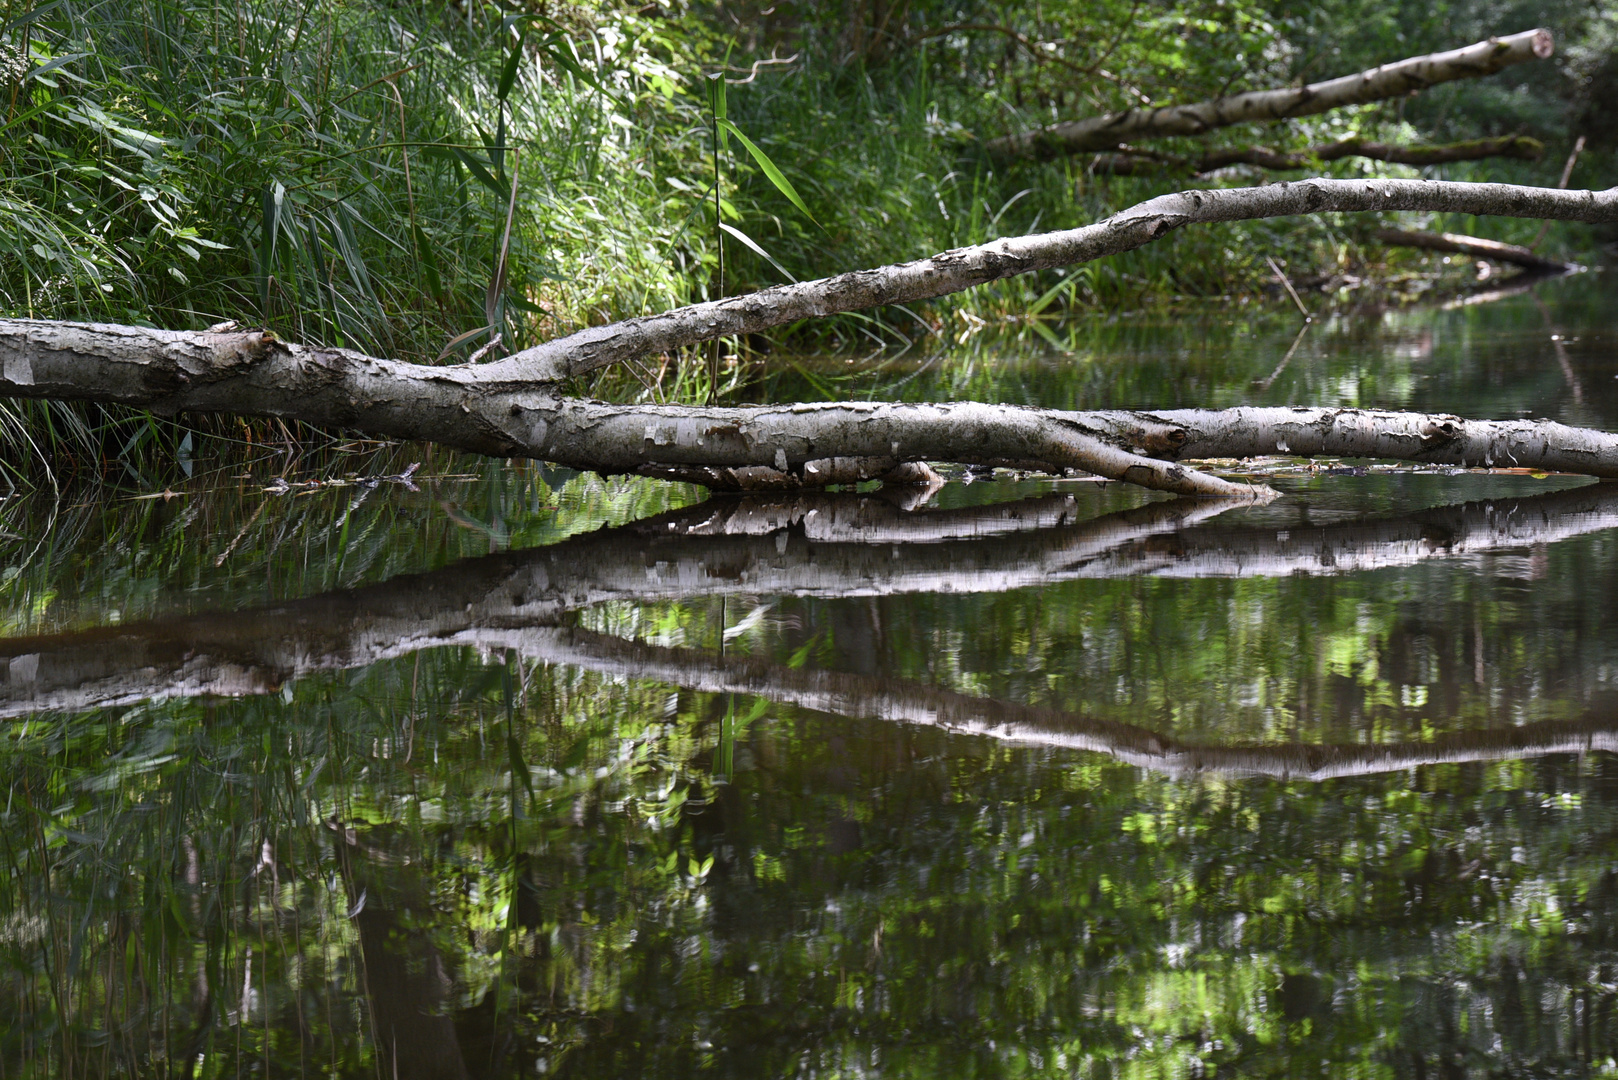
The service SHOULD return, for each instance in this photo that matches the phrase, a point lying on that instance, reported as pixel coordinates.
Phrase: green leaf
(558, 49)
(479, 170)
(38, 13)
(508, 75)
(760, 252)
(519, 767)
(46, 69)
(461, 339)
(716, 96)
(429, 262)
(1065, 285)
(775, 176)
(1084, 275)
(273, 198)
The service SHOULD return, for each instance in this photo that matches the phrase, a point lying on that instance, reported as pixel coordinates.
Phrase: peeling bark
(818, 545)
(1130, 161)
(1372, 433)
(1474, 246)
(1377, 84)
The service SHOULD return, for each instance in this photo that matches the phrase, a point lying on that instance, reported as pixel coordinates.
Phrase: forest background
(412, 180)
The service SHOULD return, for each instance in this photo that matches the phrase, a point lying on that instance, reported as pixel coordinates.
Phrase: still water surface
(510, 772)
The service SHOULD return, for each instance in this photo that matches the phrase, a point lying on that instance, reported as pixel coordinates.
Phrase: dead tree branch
(965, 268)
(1377, 84)
(1130, 161)
(1474, 246)
(743, 447)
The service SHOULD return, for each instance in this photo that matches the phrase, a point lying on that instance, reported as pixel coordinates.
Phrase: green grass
(340, 173)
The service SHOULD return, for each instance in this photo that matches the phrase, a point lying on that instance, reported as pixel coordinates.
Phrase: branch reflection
(824, 546)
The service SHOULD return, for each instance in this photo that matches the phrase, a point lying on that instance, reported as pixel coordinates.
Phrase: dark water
(515, 773)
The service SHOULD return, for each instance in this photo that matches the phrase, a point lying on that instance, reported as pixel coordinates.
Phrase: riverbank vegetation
(415, 180)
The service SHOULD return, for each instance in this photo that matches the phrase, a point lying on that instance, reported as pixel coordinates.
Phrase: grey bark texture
(964, 268)
(1474, 246)
(1376, 84)
(751, 446)
(818, 545)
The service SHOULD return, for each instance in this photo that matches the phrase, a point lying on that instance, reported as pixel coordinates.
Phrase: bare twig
(1287, 285)
(758, 65)
(1567, 174)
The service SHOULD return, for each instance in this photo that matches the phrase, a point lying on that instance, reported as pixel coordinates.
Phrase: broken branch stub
(1376, 84)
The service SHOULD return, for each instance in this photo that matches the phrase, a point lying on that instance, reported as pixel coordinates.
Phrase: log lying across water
(965, 268)
(514, 407)
(825, 546)
(1376, 84)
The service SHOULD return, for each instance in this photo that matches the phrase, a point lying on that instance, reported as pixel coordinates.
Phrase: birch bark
(514, 407)
(1376, 84)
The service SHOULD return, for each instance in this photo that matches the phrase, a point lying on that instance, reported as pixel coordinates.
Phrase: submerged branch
(825, 546)
(1377, 84)
(1474, 246)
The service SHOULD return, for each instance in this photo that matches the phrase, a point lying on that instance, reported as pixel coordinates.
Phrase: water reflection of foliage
(852, 890)
(225, 541)
(624, 877)
(1485, 360)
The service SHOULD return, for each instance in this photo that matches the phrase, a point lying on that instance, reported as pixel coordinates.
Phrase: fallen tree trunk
(1474, 246)
(513, 407)
(1377, 84)
(1129, 160)
(965, 268)
(824, 546)
(750, 446)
